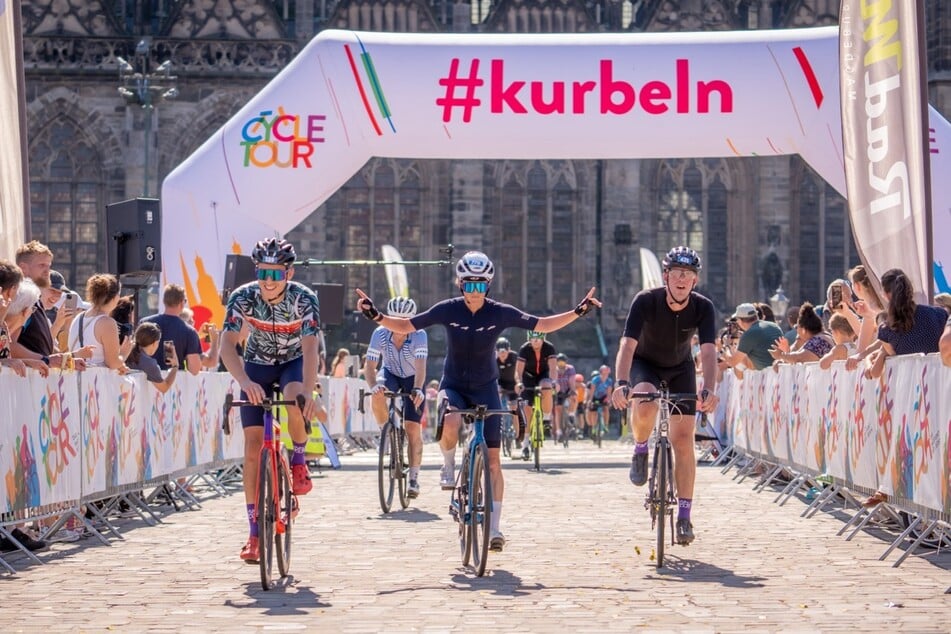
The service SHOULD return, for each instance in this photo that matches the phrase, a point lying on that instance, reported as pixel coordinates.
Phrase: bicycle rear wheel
(384, 470)
(461, 495)
(600, 428)
(661, 462)
(538, 436)
(266, 517)
(399, 465)
(481, 509)
(508, 437)
(282, 536)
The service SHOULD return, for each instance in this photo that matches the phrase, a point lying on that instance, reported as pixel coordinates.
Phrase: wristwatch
(45, 359)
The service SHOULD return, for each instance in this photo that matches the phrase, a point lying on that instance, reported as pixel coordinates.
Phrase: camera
(835, 296)
(732, 329)
(169, 347)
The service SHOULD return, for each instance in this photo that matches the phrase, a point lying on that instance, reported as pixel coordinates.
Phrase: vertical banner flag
(13, 163)
(883, 132)
(396, 277)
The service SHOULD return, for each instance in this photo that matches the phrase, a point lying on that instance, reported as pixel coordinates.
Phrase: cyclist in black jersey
(535, 371)
(282, 320)
(655, 348)
(470, 373)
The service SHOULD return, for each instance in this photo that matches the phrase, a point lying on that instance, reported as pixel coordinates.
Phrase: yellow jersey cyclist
(656, 347)
(403, 360)
(470, 373)
(282, 320)
(534, 372)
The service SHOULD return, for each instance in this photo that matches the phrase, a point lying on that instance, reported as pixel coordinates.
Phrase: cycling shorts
(403, 384)
(487, 395)
(561, 398)
(598, 402)
(682, 378)
(267, 376)
(529, 388)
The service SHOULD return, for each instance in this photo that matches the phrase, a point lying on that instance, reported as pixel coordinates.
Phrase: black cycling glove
(370, 311)
(582, 309)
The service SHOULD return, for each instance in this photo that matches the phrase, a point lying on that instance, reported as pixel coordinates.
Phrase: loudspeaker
(134, 231)
(331, 303)
(239, 270)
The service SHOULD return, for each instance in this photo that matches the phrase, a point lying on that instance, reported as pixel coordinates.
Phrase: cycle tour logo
(281, 139)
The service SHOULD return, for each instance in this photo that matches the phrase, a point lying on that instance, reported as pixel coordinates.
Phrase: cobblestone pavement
(577, 560)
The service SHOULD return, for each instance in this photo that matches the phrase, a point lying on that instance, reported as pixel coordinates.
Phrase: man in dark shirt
(175, 330)
(656, 348)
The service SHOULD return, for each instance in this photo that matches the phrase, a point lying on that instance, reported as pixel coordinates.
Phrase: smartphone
(169, 351)
(70, 301)
(835, 296)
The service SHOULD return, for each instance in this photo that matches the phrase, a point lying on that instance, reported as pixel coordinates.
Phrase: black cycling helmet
(561, 356)
(503, 344)
(682, 257)
(274, 251)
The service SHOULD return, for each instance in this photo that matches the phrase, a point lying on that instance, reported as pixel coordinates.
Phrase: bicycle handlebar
(664, 396)
(361, 407)
(231, 401)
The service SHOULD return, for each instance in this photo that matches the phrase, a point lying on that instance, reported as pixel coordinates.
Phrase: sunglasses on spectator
(475, 287)
(275, 275)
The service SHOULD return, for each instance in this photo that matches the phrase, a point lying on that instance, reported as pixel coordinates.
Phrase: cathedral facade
(554, 228)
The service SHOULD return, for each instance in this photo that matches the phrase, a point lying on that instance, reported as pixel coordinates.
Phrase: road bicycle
(471, 503)
(393, 466)
(600, 424)
(508, 431)
(276, 505)
(536, 428)
(661, 497)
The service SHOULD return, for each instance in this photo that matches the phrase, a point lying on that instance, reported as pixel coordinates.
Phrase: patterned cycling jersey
(276, 330)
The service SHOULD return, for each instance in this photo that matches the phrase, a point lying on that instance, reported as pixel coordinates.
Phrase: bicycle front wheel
(282, 535)
(659, 493)
(538, 436)
(399, 465)
(481, 499)
(266, 517)
(461, 497)
(384, 470)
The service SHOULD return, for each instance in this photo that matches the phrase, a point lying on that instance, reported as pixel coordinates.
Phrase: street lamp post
(779, 303)
(145, 86)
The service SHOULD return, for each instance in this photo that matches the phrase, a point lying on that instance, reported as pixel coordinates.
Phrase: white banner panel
(13, 164)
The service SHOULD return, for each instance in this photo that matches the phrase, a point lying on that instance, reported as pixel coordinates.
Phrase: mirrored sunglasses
(275, 275)
(475, 287)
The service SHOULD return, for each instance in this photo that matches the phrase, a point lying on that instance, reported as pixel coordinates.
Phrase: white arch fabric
(349, 96)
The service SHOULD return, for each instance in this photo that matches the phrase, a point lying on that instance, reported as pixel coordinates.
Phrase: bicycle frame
(661, 497)
(391, 448)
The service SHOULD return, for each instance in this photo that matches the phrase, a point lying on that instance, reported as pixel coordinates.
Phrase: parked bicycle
(276, 506)
(661, 497)
(393, 466)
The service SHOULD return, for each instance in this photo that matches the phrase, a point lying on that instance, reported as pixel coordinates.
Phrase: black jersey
(536, 365)
(507, 371)
(663, 335)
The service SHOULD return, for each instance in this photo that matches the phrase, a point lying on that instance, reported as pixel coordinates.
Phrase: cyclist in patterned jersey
(281, 319)
(565, 403)
(534, 370)
(656, 347)
(470, 374)
(404, 370)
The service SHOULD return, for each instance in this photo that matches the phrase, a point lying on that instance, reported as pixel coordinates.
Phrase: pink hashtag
(453, 81)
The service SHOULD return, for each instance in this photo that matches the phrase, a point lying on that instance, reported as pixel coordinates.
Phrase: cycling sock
(683, 508)
(496, 516)
(414, 473)
(298, 456)
(252, 521)
(449, 456)
(640, 447)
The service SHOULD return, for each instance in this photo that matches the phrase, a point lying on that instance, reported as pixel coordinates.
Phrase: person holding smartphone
(176, 332)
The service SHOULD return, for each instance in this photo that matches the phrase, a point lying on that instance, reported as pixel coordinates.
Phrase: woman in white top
(95, 327)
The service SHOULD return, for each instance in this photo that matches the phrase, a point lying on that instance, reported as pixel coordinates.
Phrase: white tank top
(89, 338)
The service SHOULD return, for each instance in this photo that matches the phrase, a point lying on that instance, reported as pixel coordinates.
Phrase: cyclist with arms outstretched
(470, 374)
(655, 348)
(403, 359)
(282, 322)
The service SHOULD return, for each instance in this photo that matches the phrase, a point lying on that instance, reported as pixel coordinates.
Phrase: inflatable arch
(350, 96)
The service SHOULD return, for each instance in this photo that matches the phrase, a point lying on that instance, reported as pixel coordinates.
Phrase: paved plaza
(577, 560)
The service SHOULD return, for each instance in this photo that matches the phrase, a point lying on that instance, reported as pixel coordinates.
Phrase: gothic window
(66, 196)
(533, 204)
(826, 245)
(692, 208)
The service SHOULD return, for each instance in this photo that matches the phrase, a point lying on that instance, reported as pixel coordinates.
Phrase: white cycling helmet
(475, 266)
(401, 307)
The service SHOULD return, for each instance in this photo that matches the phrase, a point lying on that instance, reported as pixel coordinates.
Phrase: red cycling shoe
(251, 553)
(301, 477)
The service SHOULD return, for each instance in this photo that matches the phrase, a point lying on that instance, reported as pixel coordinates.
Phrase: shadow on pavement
(285, 598)
(409, 515)
(690, 570)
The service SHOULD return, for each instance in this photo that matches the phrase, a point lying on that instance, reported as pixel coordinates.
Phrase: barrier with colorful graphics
(889, 434)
